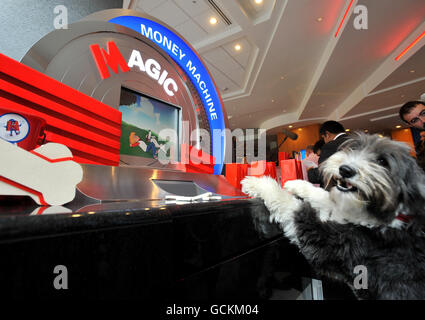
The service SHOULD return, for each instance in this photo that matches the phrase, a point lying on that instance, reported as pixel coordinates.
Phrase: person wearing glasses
(413, 113)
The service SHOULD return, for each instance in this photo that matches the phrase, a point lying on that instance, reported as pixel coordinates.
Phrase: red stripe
(64, 111)
(410, 46)
(22, 187)
(43, 82)
(41, 210)
(345, 15)
(51, 160)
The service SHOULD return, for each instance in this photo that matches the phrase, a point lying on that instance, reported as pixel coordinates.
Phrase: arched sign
(187, 59)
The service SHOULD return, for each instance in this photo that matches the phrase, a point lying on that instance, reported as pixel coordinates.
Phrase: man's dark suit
(327, 150)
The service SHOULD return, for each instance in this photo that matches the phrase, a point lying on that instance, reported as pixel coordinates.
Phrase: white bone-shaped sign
(46, 174)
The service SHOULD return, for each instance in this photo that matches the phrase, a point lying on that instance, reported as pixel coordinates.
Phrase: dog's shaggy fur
(370, 182)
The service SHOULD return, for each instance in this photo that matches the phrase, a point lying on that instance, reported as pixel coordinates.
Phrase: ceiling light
(347, 130)
(282, 77)
(213, 20)
(345, 15)
(365, 130)
(272, 100)
(258, 1)
(238, 47)
(410, 46)
(290, 126)
(319, 19)
(398, 127)
(412, 71)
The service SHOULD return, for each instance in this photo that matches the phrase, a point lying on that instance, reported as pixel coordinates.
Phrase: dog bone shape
(47, 174)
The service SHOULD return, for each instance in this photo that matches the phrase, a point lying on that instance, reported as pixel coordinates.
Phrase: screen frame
(179, 120)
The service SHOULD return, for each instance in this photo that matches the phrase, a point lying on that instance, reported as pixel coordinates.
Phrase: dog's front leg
(317, 197)
(280, 203)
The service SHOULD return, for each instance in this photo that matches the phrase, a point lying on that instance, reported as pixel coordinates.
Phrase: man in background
(333, 134)
(413, 113)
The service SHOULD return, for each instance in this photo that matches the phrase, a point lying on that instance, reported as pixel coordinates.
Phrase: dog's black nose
(346, 171)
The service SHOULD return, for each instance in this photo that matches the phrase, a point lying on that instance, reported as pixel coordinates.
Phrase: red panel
(91, 129)
(66, 111)
(59, 123)
(196, 160)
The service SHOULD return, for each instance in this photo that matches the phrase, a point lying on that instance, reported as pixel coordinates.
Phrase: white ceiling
(293, 70)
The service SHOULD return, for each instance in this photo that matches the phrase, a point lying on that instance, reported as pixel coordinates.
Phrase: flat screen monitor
(303, 154)
(143, 118)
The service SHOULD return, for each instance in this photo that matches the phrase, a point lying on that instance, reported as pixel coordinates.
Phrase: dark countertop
(143, 249)
(21, 217)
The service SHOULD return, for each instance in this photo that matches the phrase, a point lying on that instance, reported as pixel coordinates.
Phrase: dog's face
(377, 175)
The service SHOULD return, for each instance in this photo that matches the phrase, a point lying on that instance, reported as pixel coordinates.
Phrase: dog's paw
(299, 188)
(250, 186)
(261, 187)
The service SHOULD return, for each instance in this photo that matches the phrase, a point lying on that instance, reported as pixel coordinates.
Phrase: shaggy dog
(369, 218)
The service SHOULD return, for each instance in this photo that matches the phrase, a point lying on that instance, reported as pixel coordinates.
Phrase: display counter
(144, 250)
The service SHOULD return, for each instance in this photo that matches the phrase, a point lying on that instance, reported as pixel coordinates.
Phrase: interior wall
(306, 135)
(404, 135)
(24, 22)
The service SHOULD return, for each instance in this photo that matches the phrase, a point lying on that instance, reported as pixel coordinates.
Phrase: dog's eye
(382, 161)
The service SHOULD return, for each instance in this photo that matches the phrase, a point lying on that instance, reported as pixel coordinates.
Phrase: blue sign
(188, 60)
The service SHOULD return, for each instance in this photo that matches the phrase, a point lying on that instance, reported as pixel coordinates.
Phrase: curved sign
(187, 59)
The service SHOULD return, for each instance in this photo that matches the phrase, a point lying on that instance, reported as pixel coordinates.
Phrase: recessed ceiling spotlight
(213, 20)
(365, 130)
(290, 126)
(238, 47)
(282, 77)
(272, 100)
(398, 127)
(412, 71)
(258, 1)
(348, 130)
(319, 19)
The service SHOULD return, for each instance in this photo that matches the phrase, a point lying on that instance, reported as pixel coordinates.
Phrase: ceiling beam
(326, 55)
(380, 74)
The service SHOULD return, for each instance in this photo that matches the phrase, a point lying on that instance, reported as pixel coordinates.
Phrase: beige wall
(404, 135)
(306, 135)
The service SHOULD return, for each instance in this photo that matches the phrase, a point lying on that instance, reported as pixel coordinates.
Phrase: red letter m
(112, 58)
